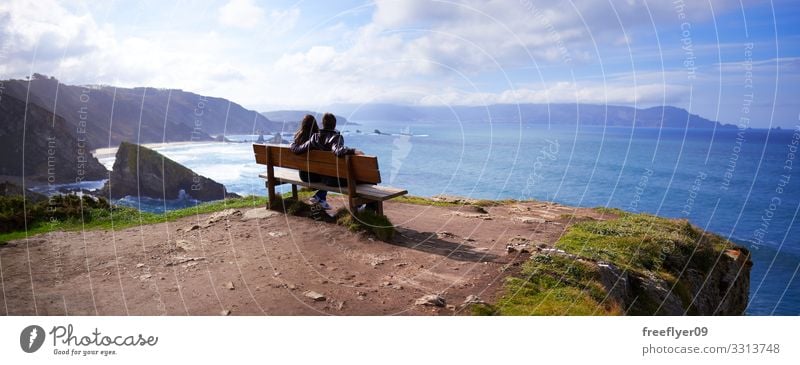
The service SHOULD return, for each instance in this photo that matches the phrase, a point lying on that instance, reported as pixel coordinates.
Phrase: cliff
(52, 152)
(633, 264)
(157, 177)
(110, 115)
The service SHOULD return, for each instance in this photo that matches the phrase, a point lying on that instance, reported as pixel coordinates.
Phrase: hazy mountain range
(297, 115)
(557, 114)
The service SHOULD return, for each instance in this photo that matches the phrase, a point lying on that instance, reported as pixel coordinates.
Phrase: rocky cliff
(140, 171)
(633, 264)
(52, 151)
(143, 114)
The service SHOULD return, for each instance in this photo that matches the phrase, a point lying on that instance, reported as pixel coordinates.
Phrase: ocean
(741, 184)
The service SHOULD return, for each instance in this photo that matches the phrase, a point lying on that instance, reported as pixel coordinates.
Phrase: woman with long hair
(307, 128)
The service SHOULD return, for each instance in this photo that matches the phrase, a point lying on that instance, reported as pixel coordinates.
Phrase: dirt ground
(278, 264)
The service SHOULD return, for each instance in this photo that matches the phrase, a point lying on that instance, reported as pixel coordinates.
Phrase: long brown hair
(307, 127)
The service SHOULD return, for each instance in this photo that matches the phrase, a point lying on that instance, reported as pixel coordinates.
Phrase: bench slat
(365, 168)
(369, 191)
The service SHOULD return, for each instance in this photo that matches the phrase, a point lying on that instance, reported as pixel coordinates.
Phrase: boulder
(433, 300)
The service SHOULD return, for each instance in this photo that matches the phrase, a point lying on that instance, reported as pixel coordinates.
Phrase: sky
(733, 61)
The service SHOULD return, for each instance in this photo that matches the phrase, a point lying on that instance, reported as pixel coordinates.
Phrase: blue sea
(741, 184)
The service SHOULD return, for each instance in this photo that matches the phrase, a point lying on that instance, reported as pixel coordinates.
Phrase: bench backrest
(365, 168)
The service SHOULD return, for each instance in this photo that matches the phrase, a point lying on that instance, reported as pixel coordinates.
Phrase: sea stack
(157, 176)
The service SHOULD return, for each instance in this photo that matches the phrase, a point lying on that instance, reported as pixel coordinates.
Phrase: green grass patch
(73, 218)
(642, 244)
(482, 203)
(553, 285)
(611, 211)
(366, 221)
(419, 200)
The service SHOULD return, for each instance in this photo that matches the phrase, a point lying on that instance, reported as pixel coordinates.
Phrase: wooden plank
(365, 168)
(351, 188)
(366, 191)
(270, 180)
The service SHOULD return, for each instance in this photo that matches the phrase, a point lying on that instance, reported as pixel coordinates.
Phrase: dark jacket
(324, 140)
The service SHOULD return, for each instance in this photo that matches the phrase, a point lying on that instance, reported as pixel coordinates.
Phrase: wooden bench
(362, 169)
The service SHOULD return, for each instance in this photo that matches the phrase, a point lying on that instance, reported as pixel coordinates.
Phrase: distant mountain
(557, 114)
(140, 114)
(42, 147)
(295, 116)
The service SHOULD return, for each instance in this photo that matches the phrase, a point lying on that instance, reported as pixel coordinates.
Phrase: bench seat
(367, 191)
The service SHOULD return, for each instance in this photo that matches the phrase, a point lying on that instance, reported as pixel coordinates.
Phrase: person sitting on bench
(307, 128)
(325, 139)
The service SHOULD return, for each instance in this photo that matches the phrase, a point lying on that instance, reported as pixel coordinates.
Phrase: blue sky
(307, 54)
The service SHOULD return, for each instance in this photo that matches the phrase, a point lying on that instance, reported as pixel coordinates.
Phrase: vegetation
(638, 243)
(419, 200)
(72, 213)
(366, 221)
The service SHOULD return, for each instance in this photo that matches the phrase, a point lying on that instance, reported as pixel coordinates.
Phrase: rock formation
(140, 171)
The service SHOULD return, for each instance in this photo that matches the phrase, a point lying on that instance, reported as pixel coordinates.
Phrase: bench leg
(379, 207)
(270, 196)
(294, 192)
(352, 205)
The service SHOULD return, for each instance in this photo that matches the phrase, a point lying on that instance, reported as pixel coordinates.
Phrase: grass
(366, 221)
(553, 285)
(124, 217)
(419, 200)
(638, 243)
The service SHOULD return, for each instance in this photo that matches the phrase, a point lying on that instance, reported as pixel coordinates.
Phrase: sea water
(741, 184)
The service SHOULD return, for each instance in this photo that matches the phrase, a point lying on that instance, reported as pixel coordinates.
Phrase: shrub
(366, 221)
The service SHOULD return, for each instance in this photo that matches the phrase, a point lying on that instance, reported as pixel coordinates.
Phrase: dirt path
(275, 265)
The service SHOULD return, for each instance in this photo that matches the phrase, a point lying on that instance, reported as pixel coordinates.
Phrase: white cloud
(247, 15)
(618, 93)
(241, 14)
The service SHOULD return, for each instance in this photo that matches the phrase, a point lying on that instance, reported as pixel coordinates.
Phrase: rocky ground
(260, 262)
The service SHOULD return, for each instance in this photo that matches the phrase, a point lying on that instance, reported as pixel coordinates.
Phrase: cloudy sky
(706, 56)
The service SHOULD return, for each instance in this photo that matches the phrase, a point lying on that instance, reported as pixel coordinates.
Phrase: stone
(277, 234)
(225, 312)
(317, 297)
(139, 265)
(229, 285)
(258, 213)
(483, 216)
(184, 245)
(434, 300)
(518, 244)
(445, 234)
(223, 214)
(530, 220)
(183, 260)
(472, 299)
(191, 227)
(453, 199)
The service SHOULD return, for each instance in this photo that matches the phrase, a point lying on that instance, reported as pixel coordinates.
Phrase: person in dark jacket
(327, 139)
(306, 129)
